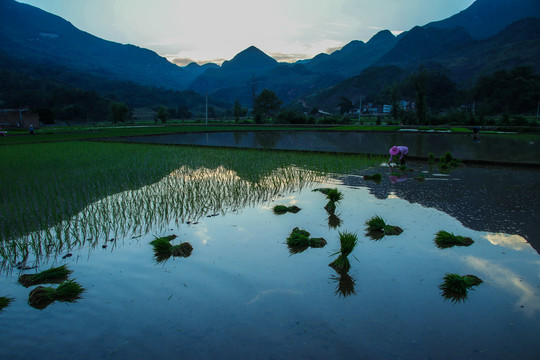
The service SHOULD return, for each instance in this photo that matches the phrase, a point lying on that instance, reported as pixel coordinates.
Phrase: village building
(18, 118)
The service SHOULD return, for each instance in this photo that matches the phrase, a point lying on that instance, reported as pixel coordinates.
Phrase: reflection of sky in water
(242, 294)
(519, 284)
(514, 242)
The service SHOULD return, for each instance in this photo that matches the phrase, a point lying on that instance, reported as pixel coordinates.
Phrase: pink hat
(394, 150)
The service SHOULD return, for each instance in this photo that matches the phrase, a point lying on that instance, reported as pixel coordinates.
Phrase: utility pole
(253, 91)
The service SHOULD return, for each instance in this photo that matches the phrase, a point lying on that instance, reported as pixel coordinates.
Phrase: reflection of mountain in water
(483, 198)
(184, 196)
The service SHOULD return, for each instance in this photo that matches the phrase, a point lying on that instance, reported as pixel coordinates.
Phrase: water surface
(499, 148)
(241, 294)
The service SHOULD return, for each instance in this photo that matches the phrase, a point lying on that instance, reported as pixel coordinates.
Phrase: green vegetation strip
(100, 132)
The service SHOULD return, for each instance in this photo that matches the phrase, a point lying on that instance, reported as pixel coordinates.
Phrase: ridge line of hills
(464, 47)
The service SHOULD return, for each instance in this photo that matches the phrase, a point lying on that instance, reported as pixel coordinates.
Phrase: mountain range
(489, 35)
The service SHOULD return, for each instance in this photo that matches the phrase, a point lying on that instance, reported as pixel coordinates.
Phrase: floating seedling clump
(348, 242)
(444, 239)
(456, 287)
(50, 276)
(4, 302)
(163, 249)
(377, 178)
(299, 240)
(334, 196)
(282, 209)
(447, 161)
(298, 237)
(377, 228)
(317, 242)
(68, 291)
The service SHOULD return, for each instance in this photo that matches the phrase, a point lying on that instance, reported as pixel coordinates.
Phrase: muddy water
(241, 294)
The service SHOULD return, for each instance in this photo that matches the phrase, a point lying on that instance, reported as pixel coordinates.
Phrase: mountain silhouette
(486, 18)
(27, 32)
(249, 60)
(489, 35)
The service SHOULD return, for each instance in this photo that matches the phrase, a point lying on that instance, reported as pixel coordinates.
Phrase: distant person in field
(402, 151)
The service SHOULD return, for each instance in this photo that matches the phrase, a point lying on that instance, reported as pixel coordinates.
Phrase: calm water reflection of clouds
(507, 279)
(514, 242)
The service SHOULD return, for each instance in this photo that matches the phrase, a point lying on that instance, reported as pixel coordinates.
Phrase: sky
(216, 30)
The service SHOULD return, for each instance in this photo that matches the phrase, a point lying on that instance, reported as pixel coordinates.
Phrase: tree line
(508, 94)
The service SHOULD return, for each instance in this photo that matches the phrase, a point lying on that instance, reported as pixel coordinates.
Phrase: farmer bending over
(398, 150)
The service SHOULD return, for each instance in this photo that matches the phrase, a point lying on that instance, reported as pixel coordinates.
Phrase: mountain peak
(383, 35)
(250, 59)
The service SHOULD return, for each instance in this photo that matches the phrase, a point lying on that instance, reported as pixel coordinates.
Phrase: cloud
(181, 61)
(515, 242)
(290, 58)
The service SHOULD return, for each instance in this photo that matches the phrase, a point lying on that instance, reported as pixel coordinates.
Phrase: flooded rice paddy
(242, 293)
(492, 147)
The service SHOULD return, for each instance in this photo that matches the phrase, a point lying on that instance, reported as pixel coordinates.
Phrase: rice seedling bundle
(52, 275)
(183, 250)
(375, 177)
(282, 209)
(317, 242)
(325, 191)
(456, 287)
(444, 239)
(376, 227)
(298, 238)
(334, 195)
(447, 161)
(348, 242)
(163, 249)
(68, 291)
(376, 223)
